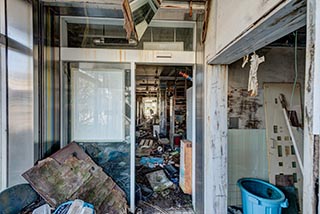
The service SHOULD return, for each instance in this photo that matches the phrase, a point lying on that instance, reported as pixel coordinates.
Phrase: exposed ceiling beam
(85, 1)
(82, 4)
(180, 5)
(164, 78)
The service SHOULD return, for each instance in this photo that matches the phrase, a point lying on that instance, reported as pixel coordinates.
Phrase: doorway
(97, 115)
(163, 148)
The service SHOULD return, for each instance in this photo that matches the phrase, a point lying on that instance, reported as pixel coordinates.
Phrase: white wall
(233, 17)
(230, 19)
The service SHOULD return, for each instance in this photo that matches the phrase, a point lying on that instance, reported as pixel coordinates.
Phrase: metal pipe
(293, 140)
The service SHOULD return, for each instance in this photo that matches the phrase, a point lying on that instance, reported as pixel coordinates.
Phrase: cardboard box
(185, 178)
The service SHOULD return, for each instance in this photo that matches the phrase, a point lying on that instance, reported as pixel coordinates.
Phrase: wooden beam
(311, 109)
(182, 5)
(216, 170)
(177, 5)
(280, 21)
(85, 1)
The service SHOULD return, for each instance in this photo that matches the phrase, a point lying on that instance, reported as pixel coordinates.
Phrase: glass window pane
(3, 160)
(185, 35)
(20, 22)
(20, 121)
(98, 105)
(2, 17)
(163, 34)
(20, 91)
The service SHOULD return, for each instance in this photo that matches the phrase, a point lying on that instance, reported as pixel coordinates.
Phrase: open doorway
(163, 138)
(265, 135)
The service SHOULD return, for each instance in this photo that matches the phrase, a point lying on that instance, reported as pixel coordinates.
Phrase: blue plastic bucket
(261, 197)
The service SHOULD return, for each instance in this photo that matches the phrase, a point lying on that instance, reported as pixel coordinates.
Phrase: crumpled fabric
(255, 61)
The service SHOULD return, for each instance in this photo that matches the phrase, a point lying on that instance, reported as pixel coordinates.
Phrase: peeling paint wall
(245, 112)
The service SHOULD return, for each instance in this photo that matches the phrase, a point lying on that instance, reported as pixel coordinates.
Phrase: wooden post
(311, 109)
(216, 187)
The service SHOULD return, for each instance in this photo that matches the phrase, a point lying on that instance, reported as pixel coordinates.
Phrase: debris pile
(71, 174)
(114, 159)
(157, 178)
(96, 176)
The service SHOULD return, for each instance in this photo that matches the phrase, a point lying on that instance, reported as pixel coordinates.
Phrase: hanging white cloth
(255, 61)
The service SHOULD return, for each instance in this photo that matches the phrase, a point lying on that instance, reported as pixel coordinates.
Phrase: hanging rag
(255, 61)
(245, 61)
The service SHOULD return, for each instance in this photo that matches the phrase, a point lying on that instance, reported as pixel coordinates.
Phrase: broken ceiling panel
(71, 174)
(142, 12)
(128, 22)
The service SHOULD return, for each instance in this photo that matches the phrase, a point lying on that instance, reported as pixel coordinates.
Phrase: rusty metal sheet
(71, 174)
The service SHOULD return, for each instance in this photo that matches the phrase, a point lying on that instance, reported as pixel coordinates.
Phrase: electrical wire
(295, 66)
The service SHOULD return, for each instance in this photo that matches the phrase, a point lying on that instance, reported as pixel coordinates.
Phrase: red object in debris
(176, 140)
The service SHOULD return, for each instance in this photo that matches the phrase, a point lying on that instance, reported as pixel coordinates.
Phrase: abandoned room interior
(159, 106)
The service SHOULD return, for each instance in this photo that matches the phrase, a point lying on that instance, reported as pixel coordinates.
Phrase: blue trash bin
(261, 197)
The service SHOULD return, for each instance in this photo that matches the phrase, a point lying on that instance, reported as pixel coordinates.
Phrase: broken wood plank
(71, 174)
(128, 20)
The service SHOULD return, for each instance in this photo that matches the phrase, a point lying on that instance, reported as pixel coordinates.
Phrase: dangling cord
(295, 66)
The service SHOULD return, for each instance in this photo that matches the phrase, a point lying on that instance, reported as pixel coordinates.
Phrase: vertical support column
(133, 138)
(311, 109)
(194, 93)
(216, 139)
(163, 111)
(63, 32)
(3, 100)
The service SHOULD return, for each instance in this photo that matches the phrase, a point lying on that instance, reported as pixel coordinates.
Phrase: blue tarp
(151, 162)
(114, 158)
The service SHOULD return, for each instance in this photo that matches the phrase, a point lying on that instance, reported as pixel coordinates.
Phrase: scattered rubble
(159, 181)
(157, 176)
(234, 210)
